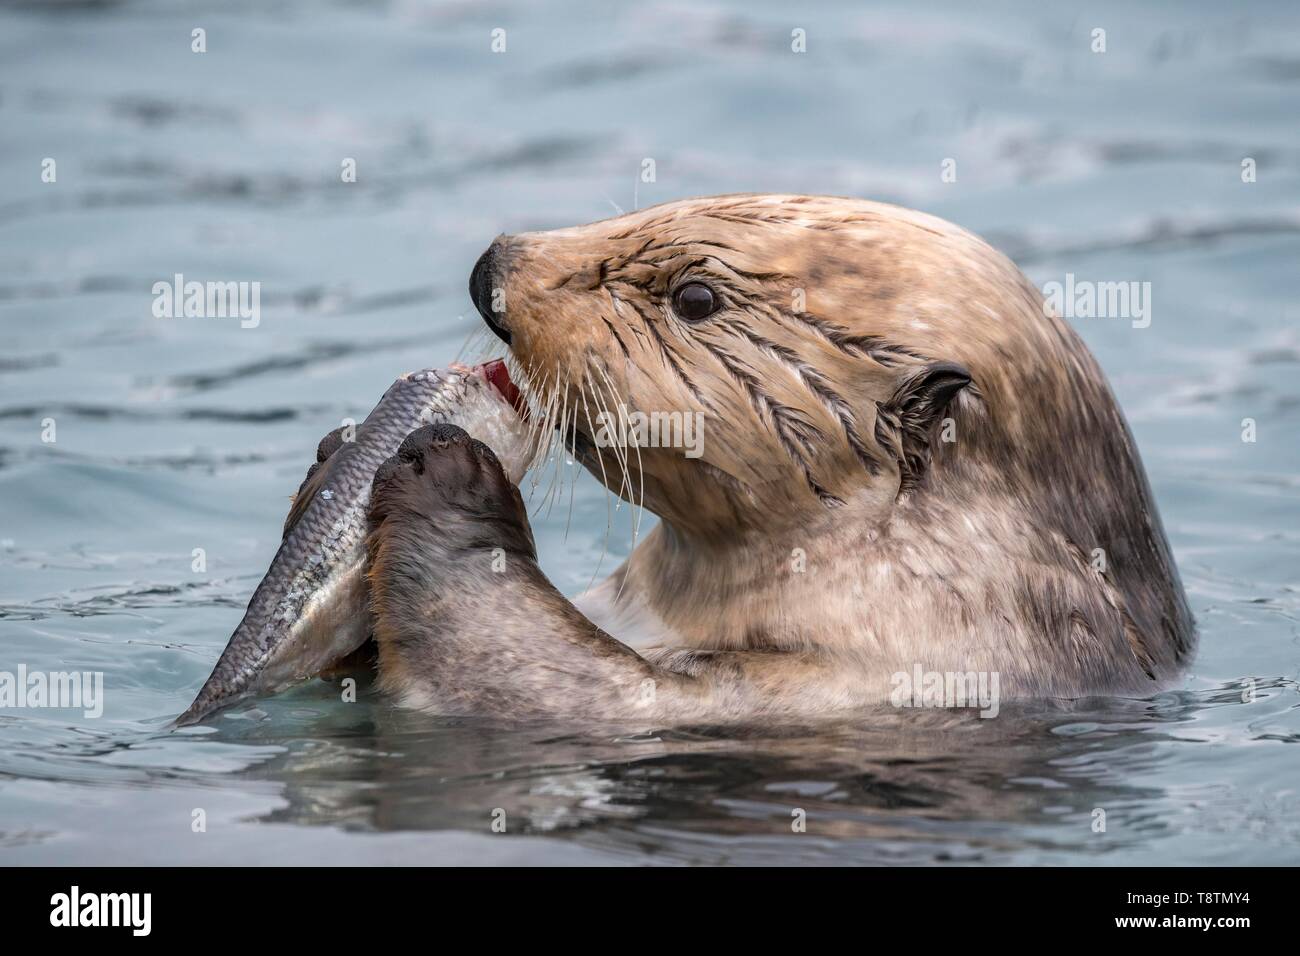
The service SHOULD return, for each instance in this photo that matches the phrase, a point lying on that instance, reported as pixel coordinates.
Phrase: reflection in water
(890, 786)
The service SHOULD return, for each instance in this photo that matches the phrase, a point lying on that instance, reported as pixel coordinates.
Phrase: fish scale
(311, 607)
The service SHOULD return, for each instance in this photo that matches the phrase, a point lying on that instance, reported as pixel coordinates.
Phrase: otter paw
(455, 487)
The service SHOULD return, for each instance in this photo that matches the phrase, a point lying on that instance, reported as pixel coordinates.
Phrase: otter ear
(910, 416)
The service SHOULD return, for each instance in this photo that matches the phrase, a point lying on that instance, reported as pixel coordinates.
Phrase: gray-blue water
(172, 435)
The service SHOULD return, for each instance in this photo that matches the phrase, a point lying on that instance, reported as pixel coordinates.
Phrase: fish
(311, 609)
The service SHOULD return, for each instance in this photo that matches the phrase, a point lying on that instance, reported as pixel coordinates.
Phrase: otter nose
(484, 283)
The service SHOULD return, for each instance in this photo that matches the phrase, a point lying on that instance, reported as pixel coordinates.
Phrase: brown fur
(822, 439)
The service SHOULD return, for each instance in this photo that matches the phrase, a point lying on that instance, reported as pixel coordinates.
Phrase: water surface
(184, 434)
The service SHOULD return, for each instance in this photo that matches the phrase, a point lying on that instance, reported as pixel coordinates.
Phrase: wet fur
(822, 435)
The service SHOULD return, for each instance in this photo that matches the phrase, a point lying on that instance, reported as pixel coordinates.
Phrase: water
(180, 434)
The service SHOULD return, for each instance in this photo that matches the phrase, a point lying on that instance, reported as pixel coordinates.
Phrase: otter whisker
(566, 423)
(533, 399)
(639, 506)
(572, 454)
(548, 430)
(525, 380)
(475, 340)
(539, 419)
(546, 439)
(604, 480)
(557, 443)
(541, 437)
(564, 420)
(558, 438)
(531, 390)
(619, 453)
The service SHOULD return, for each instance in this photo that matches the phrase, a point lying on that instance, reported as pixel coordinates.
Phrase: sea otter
(907, 464)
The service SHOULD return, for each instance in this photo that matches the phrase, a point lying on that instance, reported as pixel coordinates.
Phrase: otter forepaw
(453, 486)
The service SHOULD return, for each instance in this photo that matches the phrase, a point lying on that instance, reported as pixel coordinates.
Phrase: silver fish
(310, 610)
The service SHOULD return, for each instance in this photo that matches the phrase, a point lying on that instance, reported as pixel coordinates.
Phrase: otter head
(751, 361)
(869, 381)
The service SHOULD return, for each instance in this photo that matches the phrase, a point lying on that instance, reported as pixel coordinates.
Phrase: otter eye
(695, 301)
